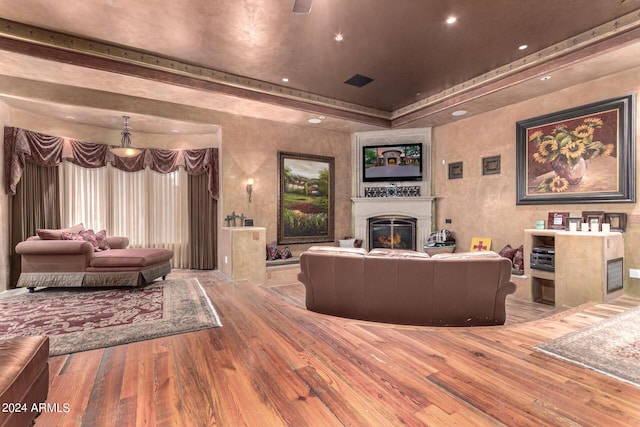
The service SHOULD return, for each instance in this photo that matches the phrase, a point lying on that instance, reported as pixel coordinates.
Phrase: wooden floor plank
(275, 363)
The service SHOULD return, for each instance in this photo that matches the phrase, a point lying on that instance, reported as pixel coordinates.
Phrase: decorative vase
(573, 174)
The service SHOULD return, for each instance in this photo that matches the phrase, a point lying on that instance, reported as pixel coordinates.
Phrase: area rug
(80, 319)
(611, 347)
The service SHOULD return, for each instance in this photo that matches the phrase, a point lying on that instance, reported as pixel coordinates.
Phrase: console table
(588, 267)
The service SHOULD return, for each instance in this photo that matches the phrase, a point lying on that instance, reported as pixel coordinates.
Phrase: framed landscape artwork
(305, 198)
(582, 155)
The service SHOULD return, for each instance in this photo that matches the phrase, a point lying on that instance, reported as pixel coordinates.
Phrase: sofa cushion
(467, 255)
(398, 253)
(334, 249)
(56, 234)
(137, 257)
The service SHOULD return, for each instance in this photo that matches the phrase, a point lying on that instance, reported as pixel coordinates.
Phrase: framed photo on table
(617, 221)
(577, 220)
(557, 220)
(593, 217)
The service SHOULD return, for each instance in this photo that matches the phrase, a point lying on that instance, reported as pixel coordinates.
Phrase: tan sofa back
(407, 288)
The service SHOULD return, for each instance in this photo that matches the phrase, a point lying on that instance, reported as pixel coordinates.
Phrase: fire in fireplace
(392, 233)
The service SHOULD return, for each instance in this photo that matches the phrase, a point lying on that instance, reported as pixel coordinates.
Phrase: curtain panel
(36, 204)
(150, 208)
(45, 150)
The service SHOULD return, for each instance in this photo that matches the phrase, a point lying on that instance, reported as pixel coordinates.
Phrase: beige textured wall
(250, 150)
(485, 206)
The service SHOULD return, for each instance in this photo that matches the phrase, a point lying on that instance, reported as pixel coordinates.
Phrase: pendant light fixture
(125, 149)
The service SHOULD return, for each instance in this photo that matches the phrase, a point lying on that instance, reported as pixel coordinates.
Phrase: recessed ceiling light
(545, 78)
(451, 19)
(339, 37)
(284, 79)
(523, 47)
(314, 121)
(459, 113)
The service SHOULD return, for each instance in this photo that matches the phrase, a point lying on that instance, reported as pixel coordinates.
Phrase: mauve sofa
(54, 262)
(407, 287)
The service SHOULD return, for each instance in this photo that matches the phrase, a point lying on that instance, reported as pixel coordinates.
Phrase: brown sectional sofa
(24, 379)
(407, 287)
(71, 263)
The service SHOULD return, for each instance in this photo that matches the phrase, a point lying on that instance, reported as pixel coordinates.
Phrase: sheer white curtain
(150, 208)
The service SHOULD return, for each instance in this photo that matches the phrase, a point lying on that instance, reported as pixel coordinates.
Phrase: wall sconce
(249, 188)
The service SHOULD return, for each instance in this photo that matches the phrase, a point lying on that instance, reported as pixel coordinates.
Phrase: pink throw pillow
(56, 234)
(89, 236)
(101, 238)
(71, 236)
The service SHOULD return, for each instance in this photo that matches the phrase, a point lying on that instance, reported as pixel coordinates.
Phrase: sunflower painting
(577, 156)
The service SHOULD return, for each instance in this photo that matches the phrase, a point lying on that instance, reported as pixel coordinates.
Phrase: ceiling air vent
(359, 80)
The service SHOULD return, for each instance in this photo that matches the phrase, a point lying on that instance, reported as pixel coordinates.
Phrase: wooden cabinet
(588, 267)
(242, 253)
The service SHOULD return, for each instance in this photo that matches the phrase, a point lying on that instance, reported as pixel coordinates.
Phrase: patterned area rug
(611, 347)
(80, 319)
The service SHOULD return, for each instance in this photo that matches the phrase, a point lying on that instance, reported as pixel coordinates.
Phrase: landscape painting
(306, 192)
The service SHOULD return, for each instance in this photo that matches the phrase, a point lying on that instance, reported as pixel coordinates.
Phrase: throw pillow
(518, 259)
(272, 251)
(284, 253)
(347, 243)
(56, 234)
(71, 236)
(508, 252)
(89, 236)
(103, 243)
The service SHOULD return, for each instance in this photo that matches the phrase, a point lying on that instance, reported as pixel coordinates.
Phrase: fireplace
(392, 233)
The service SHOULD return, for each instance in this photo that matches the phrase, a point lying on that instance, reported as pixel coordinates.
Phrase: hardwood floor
(274, 363)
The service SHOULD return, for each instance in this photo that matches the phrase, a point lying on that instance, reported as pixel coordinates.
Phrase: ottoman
(24, 379)
(128, 267)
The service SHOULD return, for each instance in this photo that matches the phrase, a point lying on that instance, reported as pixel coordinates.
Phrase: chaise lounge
(58, 258)
(407, 287)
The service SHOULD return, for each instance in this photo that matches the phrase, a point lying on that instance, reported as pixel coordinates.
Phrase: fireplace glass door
(392, 233)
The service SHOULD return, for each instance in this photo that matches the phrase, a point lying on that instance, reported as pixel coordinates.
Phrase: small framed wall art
(455, 170)
(491, 165)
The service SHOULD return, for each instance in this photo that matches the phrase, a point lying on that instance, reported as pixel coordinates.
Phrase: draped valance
(21, 145)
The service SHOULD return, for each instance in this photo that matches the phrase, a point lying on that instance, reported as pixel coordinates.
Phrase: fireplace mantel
(413, 207)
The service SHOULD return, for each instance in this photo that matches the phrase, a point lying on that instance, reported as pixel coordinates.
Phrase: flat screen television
(398, 162)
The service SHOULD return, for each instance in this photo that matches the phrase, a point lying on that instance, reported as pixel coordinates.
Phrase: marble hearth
(411, 207)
